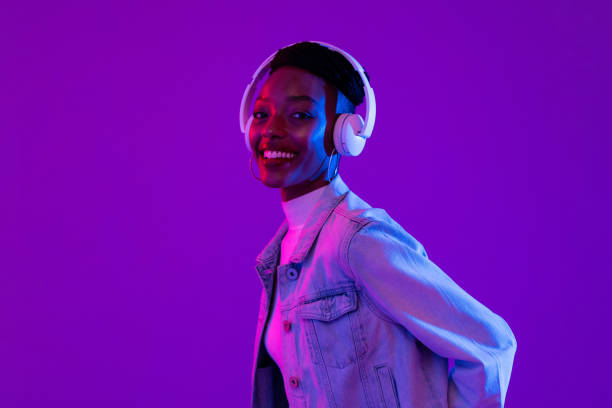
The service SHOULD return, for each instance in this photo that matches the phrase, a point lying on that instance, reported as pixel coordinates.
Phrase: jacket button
(294, 382)
(292, 274)
(287, 325)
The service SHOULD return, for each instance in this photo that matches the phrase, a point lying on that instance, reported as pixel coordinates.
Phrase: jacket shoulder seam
(358, 219)
(363, 223)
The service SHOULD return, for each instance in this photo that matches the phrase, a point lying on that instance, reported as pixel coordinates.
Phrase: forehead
(290, 81)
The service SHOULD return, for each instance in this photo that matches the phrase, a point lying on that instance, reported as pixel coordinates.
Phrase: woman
(352, 313)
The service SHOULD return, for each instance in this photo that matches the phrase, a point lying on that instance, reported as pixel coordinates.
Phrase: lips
(274, 156)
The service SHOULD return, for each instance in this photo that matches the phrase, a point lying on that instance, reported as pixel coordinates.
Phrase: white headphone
(350, 131)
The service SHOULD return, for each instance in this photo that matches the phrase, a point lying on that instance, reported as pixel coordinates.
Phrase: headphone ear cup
(247, 131)
(346, 139)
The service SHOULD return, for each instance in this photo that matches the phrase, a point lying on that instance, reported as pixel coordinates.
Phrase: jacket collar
(332, 195)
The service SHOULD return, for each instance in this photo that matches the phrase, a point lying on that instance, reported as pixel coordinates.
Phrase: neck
(305, 187)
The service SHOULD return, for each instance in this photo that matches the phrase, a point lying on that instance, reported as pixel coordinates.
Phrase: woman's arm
(393, 270)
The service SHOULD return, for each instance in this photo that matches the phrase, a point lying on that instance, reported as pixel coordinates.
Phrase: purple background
(130, 221)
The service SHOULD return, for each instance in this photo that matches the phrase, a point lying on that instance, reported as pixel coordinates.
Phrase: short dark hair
(327, 64)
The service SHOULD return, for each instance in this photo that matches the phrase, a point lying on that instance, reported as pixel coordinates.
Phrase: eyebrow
(296, 98)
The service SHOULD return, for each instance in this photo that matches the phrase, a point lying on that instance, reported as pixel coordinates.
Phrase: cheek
(317, 142)
(252, 138)
(312, 136)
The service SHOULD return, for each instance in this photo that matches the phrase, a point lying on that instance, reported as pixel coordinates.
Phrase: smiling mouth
(271, 158)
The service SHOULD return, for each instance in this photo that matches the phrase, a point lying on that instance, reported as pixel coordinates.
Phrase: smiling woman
(352, 312)
(289, 128)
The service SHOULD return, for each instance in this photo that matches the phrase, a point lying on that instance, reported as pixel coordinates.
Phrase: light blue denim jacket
(370, 321)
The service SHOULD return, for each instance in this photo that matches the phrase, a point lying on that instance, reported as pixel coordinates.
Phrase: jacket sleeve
(393, 270)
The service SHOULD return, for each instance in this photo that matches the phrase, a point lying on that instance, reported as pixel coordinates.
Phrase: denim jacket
(371, 322)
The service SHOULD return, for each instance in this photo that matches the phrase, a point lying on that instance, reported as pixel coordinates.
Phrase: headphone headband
(370, 115)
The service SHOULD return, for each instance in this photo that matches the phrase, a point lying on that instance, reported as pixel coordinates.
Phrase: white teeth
(274, 154)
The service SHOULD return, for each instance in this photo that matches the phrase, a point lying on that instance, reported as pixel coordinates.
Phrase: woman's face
(291, 129)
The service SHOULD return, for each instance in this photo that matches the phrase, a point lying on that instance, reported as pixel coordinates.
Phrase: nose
(275, 126)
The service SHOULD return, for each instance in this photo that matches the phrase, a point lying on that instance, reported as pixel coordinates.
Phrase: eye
(259, 115)
(301, 115)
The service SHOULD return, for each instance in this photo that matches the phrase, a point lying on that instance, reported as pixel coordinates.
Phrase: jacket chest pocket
(333, 329)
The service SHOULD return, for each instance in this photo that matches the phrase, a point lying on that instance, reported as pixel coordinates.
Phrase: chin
(273, 182)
